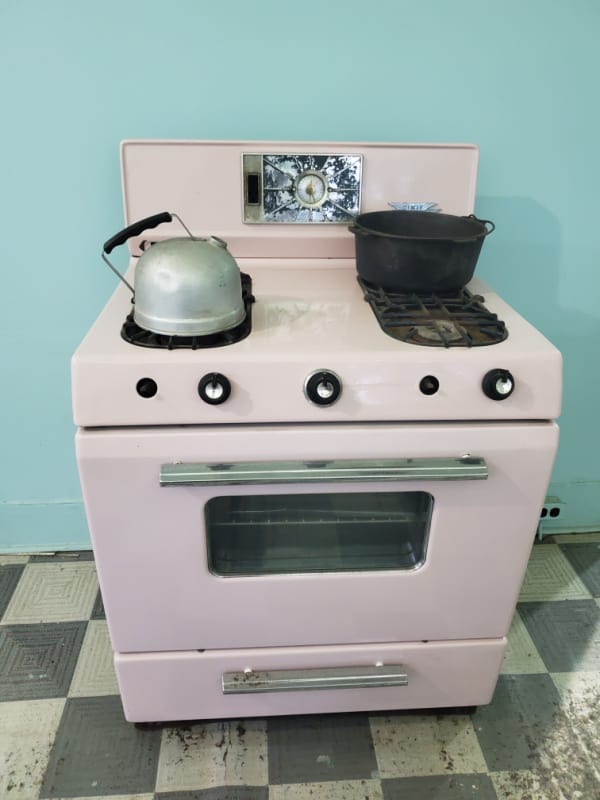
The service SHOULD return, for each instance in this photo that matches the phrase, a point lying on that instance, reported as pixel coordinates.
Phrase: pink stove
(311, 515)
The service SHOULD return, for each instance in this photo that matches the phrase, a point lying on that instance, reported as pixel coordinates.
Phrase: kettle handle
(135, 229)
(131, 230)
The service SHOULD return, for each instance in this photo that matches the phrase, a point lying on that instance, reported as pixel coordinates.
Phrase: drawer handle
(255, 472)
(294, 680)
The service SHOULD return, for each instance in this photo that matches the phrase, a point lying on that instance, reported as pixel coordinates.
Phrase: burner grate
(141, 337)
(457, 319)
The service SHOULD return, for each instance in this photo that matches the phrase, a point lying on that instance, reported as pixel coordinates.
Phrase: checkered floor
(62, 731)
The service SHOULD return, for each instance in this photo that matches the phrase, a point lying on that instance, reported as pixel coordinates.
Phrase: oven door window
(282, 534)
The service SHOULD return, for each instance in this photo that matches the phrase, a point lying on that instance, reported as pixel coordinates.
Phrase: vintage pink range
(330, 506)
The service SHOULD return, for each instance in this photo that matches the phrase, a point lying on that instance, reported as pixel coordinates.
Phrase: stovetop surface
(307, 318)
(315, 310)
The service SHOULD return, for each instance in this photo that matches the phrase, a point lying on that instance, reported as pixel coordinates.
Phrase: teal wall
(518, 78)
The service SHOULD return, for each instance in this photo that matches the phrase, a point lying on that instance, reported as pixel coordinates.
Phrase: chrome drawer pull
(269, 472)
(294, 680)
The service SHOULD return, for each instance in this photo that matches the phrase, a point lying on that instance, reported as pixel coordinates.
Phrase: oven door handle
(294, 680)
(360, 470)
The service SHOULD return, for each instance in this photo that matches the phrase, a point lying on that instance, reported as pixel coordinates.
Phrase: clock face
(311, 189)
(305, 188)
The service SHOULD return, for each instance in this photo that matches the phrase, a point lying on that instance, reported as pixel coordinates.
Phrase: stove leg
(464, 710)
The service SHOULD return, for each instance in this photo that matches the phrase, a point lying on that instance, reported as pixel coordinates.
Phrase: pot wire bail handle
(484, 222)
(134, 230)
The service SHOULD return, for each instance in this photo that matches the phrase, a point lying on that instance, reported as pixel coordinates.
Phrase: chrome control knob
(323, 387)
(214, 388)
(498, 384)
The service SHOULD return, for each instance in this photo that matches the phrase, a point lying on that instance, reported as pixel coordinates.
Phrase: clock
(301, 188)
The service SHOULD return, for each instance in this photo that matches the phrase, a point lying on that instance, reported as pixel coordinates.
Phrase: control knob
(323, 387)
(214, 388)
(498, 384)
(146, 387)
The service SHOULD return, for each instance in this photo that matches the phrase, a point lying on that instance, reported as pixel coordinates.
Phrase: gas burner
(444, 331)
(141, 337)
(457, 319)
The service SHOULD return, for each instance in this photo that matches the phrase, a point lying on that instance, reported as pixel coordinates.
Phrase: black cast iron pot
(418, 251)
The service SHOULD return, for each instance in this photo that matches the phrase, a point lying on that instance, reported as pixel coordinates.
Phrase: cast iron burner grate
(456, 319)
(141, 337)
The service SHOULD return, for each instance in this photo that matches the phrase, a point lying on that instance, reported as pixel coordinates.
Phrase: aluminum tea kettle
(184, 286)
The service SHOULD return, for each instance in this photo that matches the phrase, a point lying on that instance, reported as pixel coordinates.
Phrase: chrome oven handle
(294, 680)
(359, 470)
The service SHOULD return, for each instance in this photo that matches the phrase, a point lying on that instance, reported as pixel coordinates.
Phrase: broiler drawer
(270, 681)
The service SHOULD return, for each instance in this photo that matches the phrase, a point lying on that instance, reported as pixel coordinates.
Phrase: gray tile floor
(63, 735)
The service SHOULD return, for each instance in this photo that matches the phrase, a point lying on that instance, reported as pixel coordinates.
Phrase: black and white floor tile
(63, 734)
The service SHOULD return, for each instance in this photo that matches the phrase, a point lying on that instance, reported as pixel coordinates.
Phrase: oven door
(262, 536)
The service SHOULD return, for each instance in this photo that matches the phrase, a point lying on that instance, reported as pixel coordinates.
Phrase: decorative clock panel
(301, 188)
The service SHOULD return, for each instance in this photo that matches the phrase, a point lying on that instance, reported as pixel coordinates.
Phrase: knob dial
(214, 388)
(146, 387)
(498, 384)
(429, 384)
(323, 387)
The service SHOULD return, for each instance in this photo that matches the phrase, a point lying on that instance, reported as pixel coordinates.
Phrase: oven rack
(242, 519)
